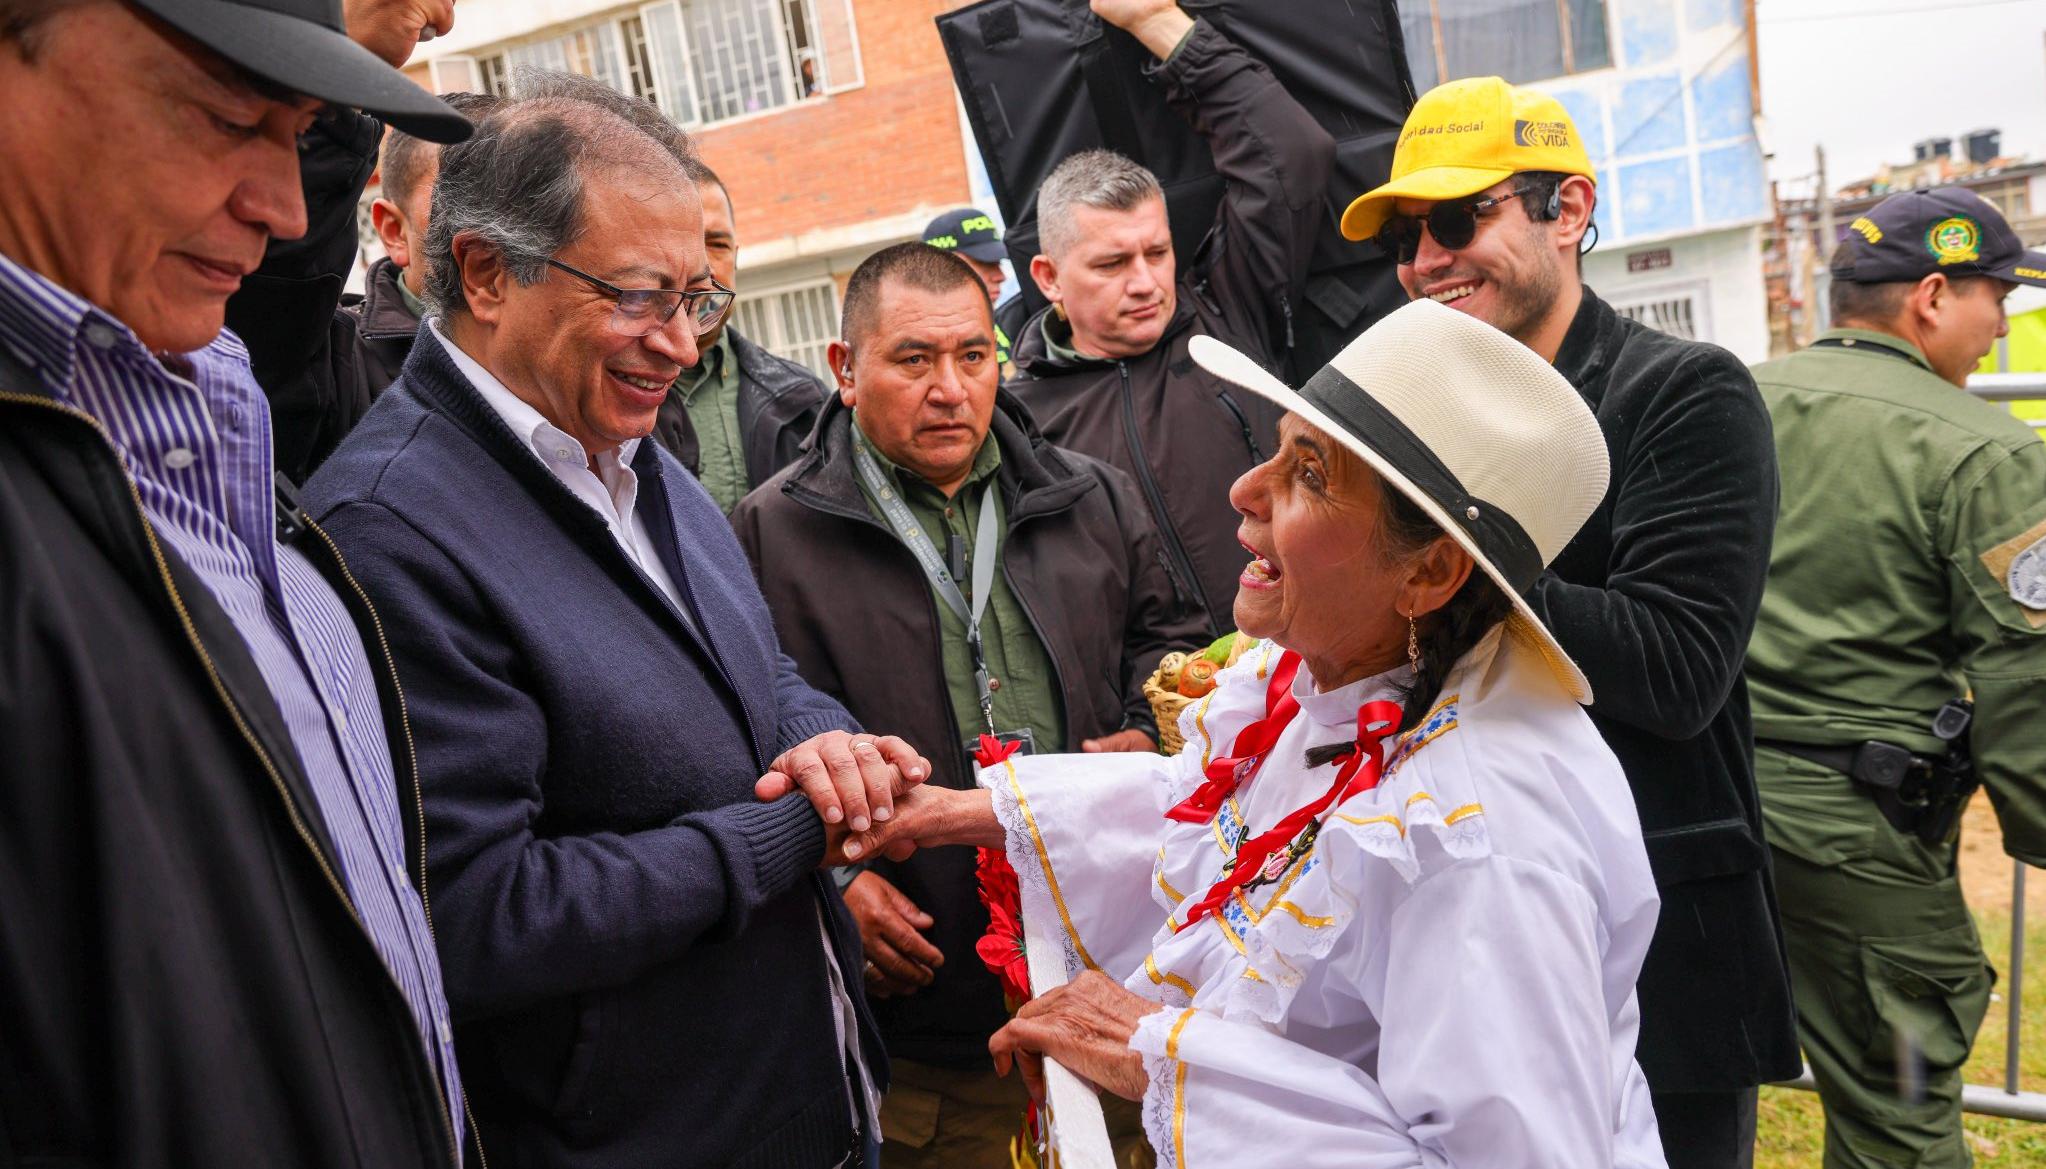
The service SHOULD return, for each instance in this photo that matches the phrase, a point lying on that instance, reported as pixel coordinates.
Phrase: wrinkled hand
(1085, 1025)
(1157, 23)
(393, 28)
(850, 779)
(1130, 740)
(924, 817)
(900, 960)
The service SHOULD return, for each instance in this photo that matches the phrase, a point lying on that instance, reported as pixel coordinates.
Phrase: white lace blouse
(1445, 978)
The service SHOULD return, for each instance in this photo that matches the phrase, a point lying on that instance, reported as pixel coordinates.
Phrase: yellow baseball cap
(1465, 136)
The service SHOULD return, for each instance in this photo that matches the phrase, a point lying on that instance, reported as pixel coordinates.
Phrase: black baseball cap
(1909, 236)
(302, 46)
(968, 232)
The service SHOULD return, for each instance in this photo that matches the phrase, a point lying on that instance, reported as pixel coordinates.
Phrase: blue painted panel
(1648, 32)
(1700, 15)
(1585, 110)
(1732, 183)
(1649, 116)
(1606, 213)
(1656, 198)
(1721, 101)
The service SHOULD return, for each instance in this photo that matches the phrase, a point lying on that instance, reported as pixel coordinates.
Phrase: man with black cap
(1909, 570)
(971, 235)
(217, 949)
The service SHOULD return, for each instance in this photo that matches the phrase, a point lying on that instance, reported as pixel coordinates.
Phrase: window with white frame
(796, 323)
(1520, 40)
(1678, 315)
(701, 61)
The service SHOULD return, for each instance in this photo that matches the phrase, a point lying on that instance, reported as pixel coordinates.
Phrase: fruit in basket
(1197, 677)
(1168, 671)
(1219, 652)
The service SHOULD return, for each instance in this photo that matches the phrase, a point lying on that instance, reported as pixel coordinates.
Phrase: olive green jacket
(1909, 568)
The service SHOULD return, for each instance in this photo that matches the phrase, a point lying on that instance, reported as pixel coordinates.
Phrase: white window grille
(701, 61)
(1676, 315)
(796, 323)
(494, 76)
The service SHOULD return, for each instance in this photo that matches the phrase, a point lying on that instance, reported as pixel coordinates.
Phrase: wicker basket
(1168, 705)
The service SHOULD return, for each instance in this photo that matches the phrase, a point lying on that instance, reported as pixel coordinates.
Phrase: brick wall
(864, 154)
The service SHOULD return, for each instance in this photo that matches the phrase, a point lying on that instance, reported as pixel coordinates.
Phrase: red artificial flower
(1002, 947)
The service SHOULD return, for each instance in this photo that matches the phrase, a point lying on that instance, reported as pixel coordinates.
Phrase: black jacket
(185, 981)
(308, 354)
(778, 404)
(1079, 553)
(1655, 599)
(383, 328)
(1181, 433)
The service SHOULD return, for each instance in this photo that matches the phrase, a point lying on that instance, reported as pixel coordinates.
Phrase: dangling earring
(1058, 309)
(1413, 646)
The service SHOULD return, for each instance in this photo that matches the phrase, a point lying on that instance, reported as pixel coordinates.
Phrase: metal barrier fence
(2010, 387)
(2011, 1100)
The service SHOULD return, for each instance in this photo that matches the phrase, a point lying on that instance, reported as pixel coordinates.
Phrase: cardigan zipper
(191, 631)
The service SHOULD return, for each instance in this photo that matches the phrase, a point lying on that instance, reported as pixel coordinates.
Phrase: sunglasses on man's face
(1453, 225)
(644, 311)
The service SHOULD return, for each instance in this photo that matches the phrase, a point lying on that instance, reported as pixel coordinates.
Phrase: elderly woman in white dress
(1388, 906)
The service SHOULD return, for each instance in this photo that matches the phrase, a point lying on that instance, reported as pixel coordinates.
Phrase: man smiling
(1490, 200)
(644, 963)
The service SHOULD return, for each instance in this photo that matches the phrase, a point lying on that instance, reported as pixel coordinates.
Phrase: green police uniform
(1909, 568)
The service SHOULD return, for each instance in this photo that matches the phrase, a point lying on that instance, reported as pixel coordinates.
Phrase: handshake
(868, 790)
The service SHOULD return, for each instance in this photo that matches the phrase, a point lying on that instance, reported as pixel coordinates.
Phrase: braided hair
(1451, 631)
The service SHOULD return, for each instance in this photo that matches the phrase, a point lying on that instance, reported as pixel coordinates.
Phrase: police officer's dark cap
(302, 46)
(969, 233)
(1910, 236)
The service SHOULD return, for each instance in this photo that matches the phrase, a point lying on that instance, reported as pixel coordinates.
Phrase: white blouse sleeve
(1496, 1046)
(1082, 832)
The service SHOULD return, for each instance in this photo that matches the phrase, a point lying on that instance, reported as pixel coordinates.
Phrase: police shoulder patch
(2019, 566)
(2027, 575)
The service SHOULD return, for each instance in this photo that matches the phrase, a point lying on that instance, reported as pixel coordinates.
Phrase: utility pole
(1822, 283)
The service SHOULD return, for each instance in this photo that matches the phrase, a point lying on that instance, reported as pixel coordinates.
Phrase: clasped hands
(867, 789)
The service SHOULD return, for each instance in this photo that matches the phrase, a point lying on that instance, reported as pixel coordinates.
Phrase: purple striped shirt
(194, 433)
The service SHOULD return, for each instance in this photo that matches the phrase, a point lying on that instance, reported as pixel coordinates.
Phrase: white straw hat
(1486, 437)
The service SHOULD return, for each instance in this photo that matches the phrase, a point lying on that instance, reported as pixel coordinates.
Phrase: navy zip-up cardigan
(630, 940)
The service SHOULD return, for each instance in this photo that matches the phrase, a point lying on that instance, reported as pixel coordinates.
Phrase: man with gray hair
(644, 962)
(1104, 368)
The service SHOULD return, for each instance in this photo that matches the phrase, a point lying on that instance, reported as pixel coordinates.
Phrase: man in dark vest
(1490, 199)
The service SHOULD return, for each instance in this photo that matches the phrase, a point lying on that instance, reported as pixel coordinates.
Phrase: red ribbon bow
(1359, 769)
(992, 750)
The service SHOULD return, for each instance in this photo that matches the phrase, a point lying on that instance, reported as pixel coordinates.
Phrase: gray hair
(644, 116)
(518, 185)
(1101, 179)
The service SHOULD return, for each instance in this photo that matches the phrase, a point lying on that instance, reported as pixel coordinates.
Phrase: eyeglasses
(643, 311)
(1454, 225)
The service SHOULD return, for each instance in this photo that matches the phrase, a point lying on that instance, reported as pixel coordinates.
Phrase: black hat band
(1496, 533)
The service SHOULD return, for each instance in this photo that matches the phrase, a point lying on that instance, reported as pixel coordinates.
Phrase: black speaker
(1043, 79)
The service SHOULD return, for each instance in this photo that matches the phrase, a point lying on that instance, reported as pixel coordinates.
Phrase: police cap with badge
(1949, 230)
(968, 232)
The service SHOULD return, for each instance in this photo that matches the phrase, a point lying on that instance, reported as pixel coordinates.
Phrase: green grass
(1790, 1128)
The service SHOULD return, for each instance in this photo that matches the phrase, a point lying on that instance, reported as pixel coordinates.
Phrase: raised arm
(1274, 159)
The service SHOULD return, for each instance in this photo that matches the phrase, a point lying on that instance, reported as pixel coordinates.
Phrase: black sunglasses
(643, 311)
(1454, 225)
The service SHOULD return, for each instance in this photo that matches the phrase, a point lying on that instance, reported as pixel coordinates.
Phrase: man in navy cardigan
(644, 963)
